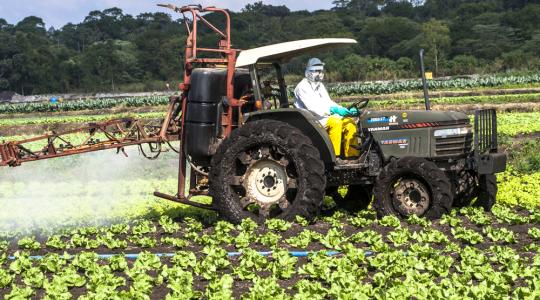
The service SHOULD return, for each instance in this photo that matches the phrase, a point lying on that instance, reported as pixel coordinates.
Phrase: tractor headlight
(452, 131)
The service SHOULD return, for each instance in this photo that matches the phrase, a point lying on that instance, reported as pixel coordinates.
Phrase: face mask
(315, 76)
(319, 76)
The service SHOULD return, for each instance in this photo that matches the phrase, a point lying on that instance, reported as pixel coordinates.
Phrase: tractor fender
(306, 123)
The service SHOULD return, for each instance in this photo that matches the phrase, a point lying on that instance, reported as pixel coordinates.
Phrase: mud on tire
(412, 185)
(487, 191)
(481, 187)
(260, 147)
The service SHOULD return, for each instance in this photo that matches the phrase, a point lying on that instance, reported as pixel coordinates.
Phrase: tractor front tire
(465, 186)
(412, 185)
(267, 169)
(481, 187)
(487, 191)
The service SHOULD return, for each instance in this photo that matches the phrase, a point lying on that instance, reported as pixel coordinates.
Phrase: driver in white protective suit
(311, 94)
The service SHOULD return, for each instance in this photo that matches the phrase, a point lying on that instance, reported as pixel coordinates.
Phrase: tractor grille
(454, 145)
(485, 130)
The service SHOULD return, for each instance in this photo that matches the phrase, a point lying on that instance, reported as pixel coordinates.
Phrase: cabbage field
(336, 90)
(89, 227)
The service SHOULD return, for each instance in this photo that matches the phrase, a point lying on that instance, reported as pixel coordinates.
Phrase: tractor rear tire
(267, 169)
(412, 185)
(358, 198)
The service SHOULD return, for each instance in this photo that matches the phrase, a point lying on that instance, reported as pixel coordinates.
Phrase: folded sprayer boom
(113, 134)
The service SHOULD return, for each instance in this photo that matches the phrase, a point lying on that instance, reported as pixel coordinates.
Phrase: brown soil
(107, 111)
(40, 129)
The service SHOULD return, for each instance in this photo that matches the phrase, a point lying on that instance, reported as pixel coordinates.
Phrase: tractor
(263, 161)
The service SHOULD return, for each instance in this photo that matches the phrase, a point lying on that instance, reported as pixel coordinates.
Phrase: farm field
(497, 89)
(467, 254)
(88, 226)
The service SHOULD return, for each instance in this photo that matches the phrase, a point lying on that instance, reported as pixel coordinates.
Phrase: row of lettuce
(370, 88)
(337, 90)
(469, 254)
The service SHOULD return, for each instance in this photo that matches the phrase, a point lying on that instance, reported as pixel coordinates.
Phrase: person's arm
(336, 108)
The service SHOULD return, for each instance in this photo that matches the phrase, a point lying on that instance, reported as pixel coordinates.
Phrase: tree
(436, 40)
(368, 8)
(490, 41)
(399, 8)
(267, 10)
(382, 33)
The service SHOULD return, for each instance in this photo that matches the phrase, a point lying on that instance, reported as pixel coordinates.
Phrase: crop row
(467, 254)
(512, 124)
(370, 88)
(87, 104)
(417, 103)
(338, 90)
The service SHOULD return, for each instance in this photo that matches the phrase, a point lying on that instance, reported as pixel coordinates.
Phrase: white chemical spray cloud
(88, 189)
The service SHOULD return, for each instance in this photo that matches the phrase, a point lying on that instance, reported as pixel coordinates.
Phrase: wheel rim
(264, 180)
(411, 196)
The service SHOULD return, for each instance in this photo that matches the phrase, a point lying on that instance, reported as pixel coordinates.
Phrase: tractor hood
(404, 119)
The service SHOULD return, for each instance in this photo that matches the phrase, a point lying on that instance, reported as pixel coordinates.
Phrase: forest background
(110, 51)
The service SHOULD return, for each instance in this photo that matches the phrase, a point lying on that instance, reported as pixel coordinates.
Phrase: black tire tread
(437, 182)
(469, 190)
(484, 190)
(487, 191)
(309, 198)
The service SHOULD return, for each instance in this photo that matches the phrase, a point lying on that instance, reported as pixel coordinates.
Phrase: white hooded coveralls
(314, 97)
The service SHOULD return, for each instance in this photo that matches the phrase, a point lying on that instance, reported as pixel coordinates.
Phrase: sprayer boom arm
(113, 134)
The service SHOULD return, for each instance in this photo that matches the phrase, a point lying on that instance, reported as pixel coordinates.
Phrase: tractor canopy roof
(283, 52)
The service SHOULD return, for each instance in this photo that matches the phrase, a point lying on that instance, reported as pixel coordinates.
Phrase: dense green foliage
(525, 156)
(513, 124)
(110, 50)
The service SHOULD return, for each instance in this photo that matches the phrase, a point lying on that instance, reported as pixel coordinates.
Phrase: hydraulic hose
(230, 254)
(197, 169)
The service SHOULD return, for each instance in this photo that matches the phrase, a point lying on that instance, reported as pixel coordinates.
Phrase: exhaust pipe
(424, 82)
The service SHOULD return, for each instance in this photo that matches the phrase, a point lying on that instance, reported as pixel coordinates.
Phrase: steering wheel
(359, 105)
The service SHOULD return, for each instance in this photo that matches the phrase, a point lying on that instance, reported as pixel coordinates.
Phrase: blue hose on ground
(230, 254)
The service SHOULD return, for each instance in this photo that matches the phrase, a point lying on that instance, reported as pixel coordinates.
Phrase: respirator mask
(315, 75)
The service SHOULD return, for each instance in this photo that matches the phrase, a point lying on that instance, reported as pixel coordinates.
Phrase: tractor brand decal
(404, 117)
(402, 142)
(382, 128)
(378, 120)
(392, 120)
